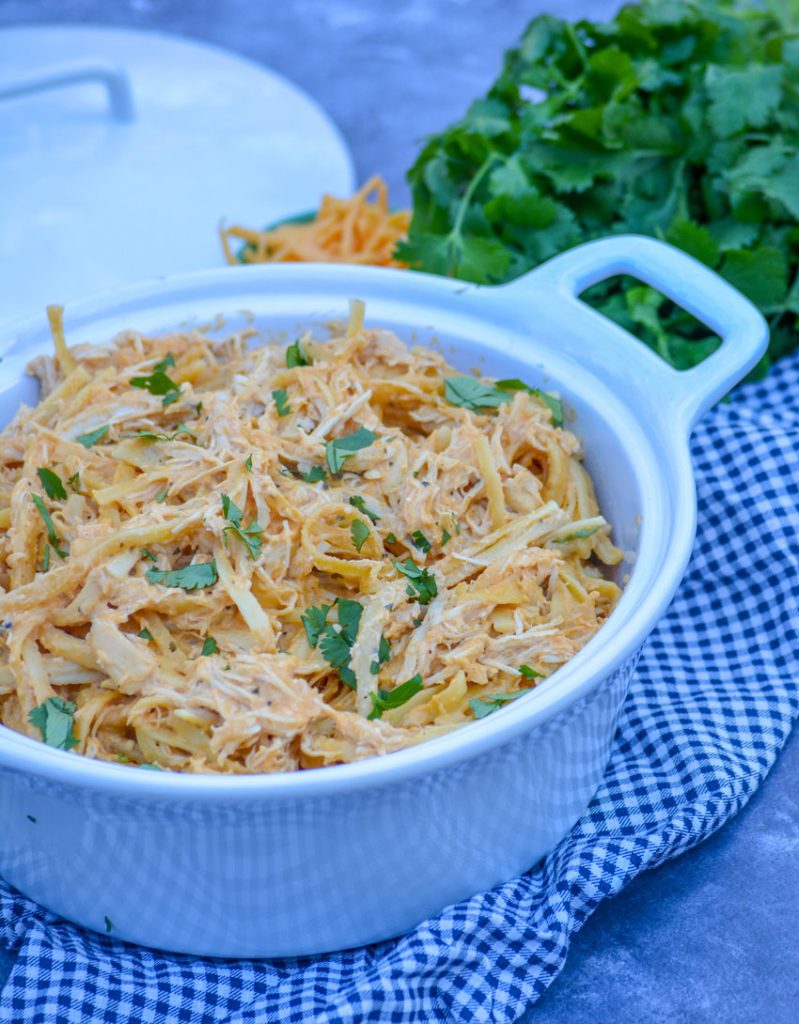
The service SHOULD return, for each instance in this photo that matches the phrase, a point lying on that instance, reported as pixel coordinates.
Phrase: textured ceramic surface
(264, 865)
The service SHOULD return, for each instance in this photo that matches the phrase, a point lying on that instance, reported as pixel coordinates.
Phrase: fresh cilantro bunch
(678, 119)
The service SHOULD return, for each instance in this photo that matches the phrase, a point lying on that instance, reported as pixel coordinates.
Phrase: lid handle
(115, 80)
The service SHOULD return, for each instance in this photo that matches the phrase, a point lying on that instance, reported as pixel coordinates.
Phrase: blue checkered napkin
(711, 704)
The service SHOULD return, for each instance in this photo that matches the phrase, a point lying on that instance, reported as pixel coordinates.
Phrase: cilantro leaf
(421, 542)
(472, 394)
(349, 617)
(164, 364)
(529, 673)
(314, 475)
(74, 482)
(335, 645)
(343, 447)
(554, 405)
(385, 700)
(210, 646)
(54, 718)
(391, 538)
(422, 582)
(358, 502)
(337, 652)
(182, 430)
(49, 525)
(159, 382)
(248, 463)
(87, 440)
(295, 356)
(145, 634)
(575, 535)
(52, 484)
(251, 536)
(314, 620)
(359, 532)
(281, 397)
(190, 577)
(482, 706)
(674, 119)
(446, 537)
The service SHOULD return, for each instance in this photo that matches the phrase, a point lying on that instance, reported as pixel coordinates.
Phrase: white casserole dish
(335, 857)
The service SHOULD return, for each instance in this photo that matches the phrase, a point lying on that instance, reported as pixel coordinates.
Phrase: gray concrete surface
(711, 936)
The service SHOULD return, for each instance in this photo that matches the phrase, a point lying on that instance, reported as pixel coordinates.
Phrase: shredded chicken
(226, 558)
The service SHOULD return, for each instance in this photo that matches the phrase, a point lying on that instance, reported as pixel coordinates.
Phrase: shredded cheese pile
(223, 558)
(361, 229)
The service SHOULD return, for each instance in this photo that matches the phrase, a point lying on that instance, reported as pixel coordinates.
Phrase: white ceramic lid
(124, 170)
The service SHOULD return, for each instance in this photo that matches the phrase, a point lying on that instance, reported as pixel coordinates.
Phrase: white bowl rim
(575, 679)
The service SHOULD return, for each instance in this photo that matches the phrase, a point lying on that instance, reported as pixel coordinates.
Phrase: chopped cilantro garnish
(210, 646)
(473, 394)
(165, 364)
(420, 541)
(359, 532)
(314, 620)
(190, 577)
(162, 496)
(422, 582)
(335, 645)
(46, 558)
(446, 536)
(391, 538)
(74, 482)
(385, 700)
(159, 383)
(251, 536)
(383, 655)
(149, 435)
(358, 502)
(344, 447)
(349, 617)
(87, 440)
(576, 535)
(52, 533)
(148, 555)
(529, 673)
(554, 405)
(281, 397)
(145, 634)
(52, 484)
(295, 356)
(482, 706)
(314, 475)
(248, 463)
(55, 720)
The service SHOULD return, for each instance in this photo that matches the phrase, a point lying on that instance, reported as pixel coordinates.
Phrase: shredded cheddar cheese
(361, 229)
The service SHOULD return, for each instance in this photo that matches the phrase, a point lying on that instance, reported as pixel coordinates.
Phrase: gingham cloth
(710, 706)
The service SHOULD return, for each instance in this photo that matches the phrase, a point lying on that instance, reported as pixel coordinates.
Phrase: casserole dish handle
(687, 282)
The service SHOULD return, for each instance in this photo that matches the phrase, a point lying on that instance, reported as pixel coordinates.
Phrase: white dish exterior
(322, 860)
